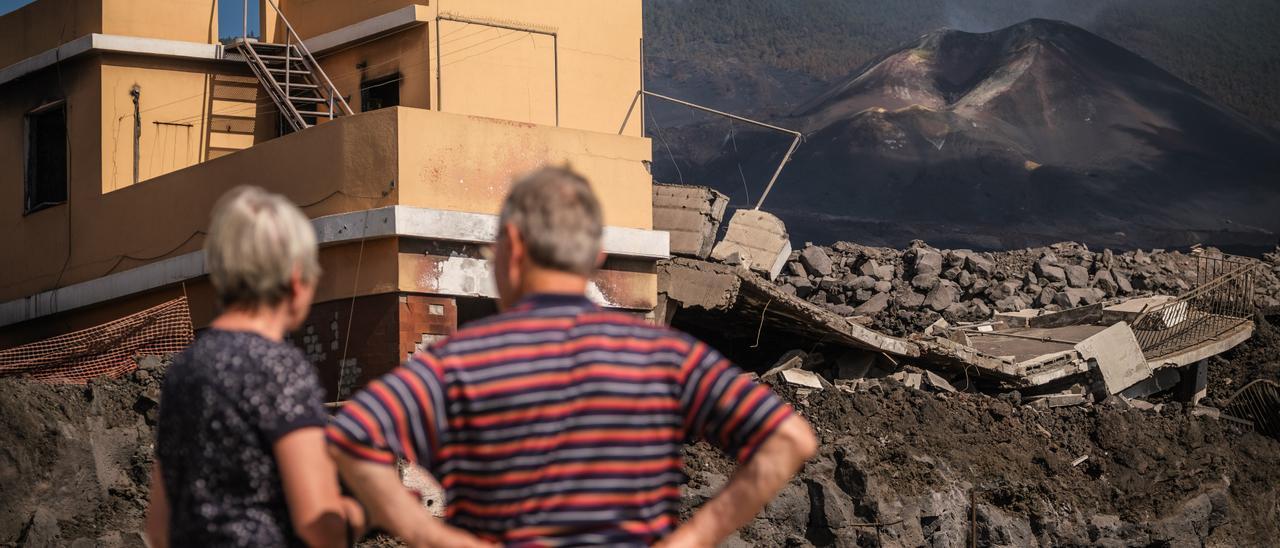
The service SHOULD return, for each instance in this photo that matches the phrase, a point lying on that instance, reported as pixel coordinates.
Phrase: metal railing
(283, 95)
(1259, 402)
(1221, 301)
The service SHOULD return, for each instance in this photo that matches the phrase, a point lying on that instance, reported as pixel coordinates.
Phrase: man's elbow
(800, 438)
(808, 443)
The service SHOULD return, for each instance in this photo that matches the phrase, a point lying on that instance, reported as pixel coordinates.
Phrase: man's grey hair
(256, 241)
(558, 217)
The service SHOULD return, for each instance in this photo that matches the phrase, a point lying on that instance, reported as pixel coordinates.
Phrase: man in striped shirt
(556, 423)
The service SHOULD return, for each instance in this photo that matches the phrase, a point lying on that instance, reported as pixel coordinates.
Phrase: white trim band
(111, 43)
(411, 222)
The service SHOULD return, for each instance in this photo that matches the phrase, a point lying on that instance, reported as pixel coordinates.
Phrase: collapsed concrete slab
(739, 301)
(1117, 355)
(691, 215)
(757, 240)
(1039, 354)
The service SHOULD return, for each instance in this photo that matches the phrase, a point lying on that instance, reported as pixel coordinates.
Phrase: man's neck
(541, 281)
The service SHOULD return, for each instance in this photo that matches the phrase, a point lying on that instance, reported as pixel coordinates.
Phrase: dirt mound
(918, 464)
(74, 460)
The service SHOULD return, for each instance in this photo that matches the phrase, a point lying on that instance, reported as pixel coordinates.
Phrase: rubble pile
(75, 460)
(905, 291)
(899, 466)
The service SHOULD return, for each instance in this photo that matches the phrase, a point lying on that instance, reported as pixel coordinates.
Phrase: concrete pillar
(1194, 385)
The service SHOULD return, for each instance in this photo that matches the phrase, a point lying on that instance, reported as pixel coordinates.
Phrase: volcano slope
(1031, 134)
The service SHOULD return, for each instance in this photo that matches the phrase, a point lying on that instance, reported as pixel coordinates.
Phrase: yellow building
(123, 120)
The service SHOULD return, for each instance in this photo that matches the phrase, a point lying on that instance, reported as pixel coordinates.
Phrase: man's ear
(600, 257)
(515, 241)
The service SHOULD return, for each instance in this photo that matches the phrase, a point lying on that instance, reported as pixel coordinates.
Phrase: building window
(46, 162)
(380, 93)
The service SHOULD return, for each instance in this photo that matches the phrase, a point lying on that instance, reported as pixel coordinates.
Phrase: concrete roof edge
(111, 43)
(399, 19)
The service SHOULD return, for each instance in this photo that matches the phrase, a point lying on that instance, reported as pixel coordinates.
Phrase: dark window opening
(380, 93)
(46, 163)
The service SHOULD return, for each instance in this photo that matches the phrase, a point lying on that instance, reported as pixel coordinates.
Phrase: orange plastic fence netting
(109, 349)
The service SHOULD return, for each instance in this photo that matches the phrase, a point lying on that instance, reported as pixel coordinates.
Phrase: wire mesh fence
(1221, 301)
(110, 349)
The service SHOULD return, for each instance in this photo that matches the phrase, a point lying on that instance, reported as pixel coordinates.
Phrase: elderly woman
(240, 449)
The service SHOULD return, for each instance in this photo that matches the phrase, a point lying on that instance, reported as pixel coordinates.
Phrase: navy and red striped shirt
(557, 423)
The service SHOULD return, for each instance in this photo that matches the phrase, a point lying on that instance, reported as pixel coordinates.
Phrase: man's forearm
(751, 487)
(389, 505)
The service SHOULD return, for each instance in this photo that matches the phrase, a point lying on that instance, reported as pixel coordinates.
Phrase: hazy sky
(229, 18)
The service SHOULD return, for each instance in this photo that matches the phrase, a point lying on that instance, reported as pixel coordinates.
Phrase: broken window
(46, 162)
(380, 93)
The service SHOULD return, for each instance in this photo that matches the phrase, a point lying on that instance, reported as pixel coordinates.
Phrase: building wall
(47, 24)
(392, 156)
(329, 169)
(465, 163)
(185, 20)
(176, 99)
(36, 244)
(405, 53)
(500, 73)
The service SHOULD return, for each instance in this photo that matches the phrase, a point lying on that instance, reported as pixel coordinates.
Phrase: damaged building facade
(396, 125)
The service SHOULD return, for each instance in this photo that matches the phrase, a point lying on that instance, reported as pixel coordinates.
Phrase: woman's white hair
(256, 242)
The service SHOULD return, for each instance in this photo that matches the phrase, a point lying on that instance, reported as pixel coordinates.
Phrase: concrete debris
(935, 381)
(1059, 400)
(691, 215)
(788, 361)
(759, 240)
(911, 380)
(1117, 355)
(800, 377)
(1024, 322)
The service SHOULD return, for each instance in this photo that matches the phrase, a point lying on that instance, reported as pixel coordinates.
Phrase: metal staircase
(297, 85)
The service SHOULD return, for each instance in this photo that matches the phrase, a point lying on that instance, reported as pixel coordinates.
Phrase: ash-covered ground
(897, 466)
(904, 467)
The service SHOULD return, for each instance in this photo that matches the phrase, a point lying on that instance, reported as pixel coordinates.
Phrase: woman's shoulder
(216, 350)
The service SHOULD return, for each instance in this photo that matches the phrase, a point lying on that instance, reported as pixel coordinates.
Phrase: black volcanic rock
(1027, 135)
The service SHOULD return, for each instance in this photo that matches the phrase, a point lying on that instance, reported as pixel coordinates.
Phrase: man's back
(560, 423)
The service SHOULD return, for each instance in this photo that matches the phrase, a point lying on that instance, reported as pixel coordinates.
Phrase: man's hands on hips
(752, 486)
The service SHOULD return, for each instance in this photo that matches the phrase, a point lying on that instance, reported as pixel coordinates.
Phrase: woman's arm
(157, 511)
(319, 512)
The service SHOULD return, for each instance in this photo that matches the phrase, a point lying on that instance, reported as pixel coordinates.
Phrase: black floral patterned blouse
(226, 400)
